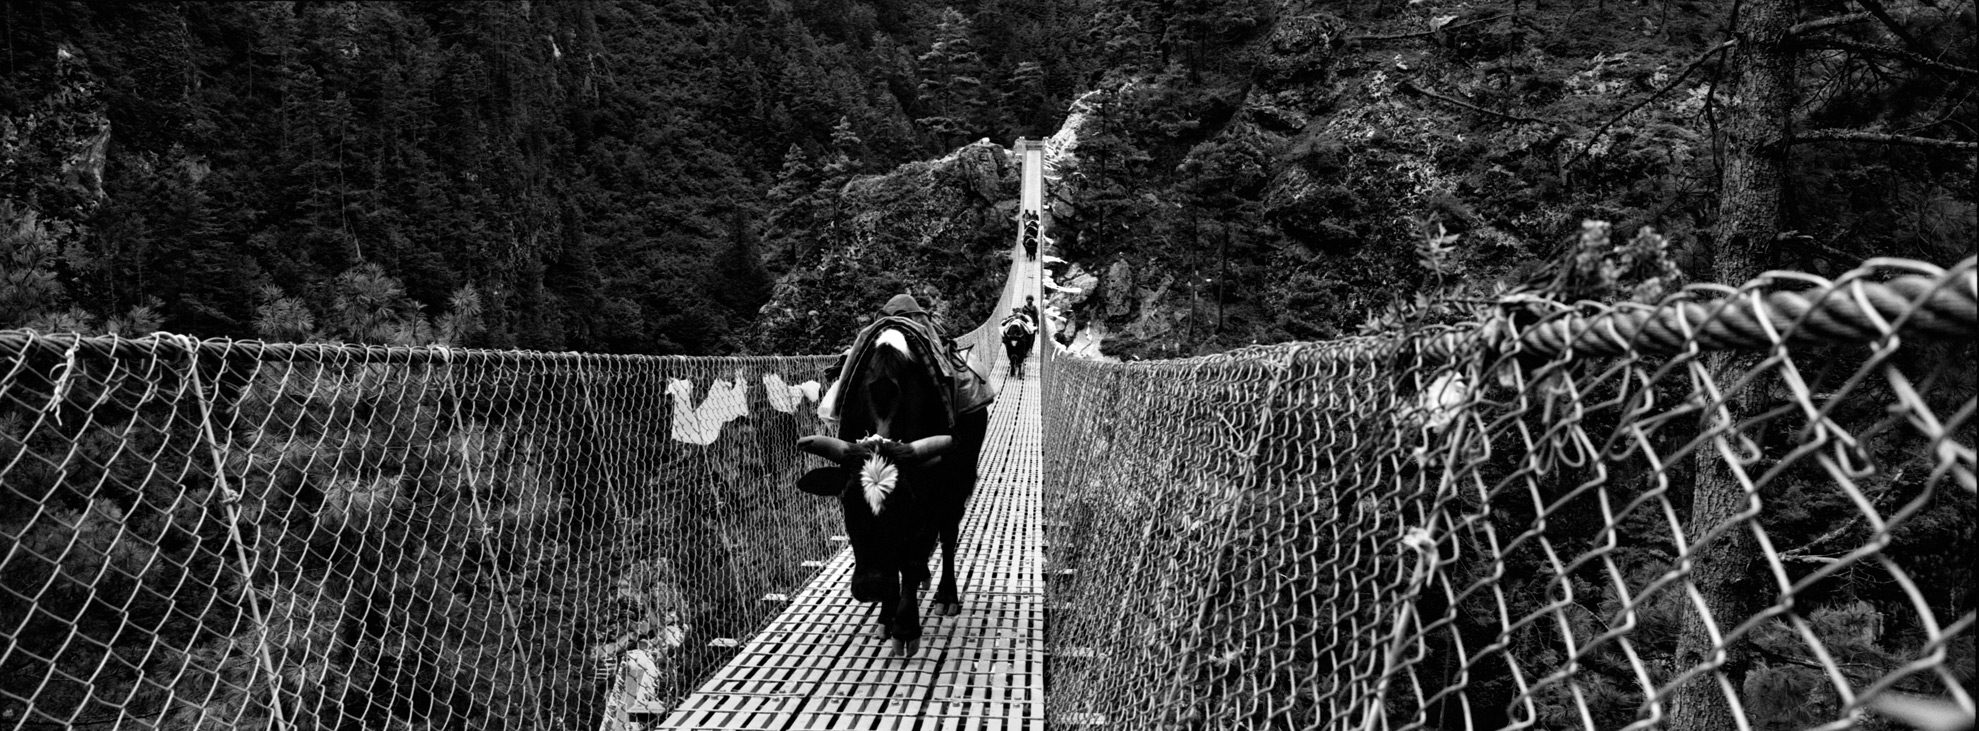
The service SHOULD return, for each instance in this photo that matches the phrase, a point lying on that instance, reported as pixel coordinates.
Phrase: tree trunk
(1195, 277)
(1755, 168)
(1222, 275)
(1748, 221)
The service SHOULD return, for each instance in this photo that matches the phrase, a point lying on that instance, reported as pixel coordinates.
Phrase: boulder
(1315, 216)
(1301, 49)
(1119, 293)
(1074, 288)
(1279, 119)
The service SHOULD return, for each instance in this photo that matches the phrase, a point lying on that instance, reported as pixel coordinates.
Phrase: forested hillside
(637, 177)
(594, 176)
(1252, 172)
(1258, 172)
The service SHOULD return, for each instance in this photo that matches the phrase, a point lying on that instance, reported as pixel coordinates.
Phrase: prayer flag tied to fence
(1745, 507)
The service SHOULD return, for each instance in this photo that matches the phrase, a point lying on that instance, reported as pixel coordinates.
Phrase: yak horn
(830, 448)
(930, 447)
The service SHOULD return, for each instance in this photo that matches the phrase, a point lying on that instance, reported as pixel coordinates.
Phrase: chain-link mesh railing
(219, 534)
(1746, 508)
(1740, 509)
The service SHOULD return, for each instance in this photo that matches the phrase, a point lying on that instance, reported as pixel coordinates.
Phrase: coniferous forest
(696, 177)
(588, 176)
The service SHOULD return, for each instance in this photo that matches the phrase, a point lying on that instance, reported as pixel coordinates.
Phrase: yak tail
(878, 477)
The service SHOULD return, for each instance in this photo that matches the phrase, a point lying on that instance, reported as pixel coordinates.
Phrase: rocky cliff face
(939, 230)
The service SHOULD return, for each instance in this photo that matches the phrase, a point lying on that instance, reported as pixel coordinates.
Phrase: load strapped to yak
(968, 390)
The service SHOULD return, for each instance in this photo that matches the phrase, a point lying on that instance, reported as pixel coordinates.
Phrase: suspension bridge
(1745, 506)
(819, 664)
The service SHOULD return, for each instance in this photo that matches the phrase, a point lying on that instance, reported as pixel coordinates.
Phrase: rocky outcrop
(939, 230)
(1119, 293)
(1300, 50)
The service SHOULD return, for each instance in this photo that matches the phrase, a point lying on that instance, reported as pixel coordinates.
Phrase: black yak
(1018, 334)
(906, 469)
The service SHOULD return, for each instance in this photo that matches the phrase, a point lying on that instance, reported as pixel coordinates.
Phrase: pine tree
(282, 318)
(1128, 46)
(30, 291)
(794, 212)
(1024, 103)
(371, 307)
(952, 88)
(51, 181)
(1198, 29)
(1111, 169)
(838, 171)
(741, 284)
(846, 152)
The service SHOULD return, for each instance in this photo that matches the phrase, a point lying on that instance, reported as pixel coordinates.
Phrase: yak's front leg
(948, 597)
(905, 627)
(881, 587)
(885, 619)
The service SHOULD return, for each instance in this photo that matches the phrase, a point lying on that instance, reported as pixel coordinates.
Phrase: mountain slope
(1315, 170)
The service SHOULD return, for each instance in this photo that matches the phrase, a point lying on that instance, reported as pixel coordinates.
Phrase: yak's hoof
(907, 648)
(884, 632)
(948, 609)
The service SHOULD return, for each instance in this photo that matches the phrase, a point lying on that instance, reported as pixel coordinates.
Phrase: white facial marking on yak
(878, 477)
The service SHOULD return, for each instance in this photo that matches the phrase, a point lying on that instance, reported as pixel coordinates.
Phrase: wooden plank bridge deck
(822, 665)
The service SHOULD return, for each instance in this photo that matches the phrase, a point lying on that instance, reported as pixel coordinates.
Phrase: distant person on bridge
(1030, 309)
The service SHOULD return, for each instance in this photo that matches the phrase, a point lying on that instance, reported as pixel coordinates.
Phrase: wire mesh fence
(1742, 508)
(221, 534)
